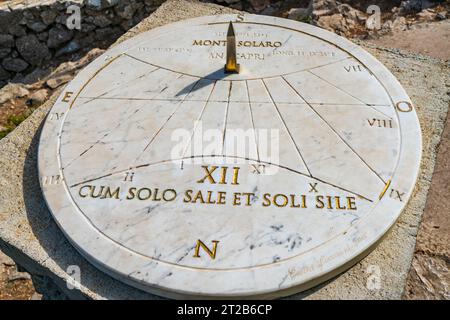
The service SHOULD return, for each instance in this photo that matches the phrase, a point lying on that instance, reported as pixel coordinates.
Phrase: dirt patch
(431, 39)
(14, 285)
(429, 277)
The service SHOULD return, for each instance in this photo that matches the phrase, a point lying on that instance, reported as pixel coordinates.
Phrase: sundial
(229, 156)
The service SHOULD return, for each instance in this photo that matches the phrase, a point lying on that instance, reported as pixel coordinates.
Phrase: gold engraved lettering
(338, 204)
(208, 174)
(241, 43)
(237, 199)
(319, 202)
(404, 106)
(386, 187)
(329, 203)
(284, 200)
(293, 204)
(67, 96)
(221, 197)
(211, 253)
(109, 194)
(197, 197)
(351, 203)
(235, 176)
(223, 178)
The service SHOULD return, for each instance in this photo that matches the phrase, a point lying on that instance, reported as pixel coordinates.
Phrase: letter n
(212, 253)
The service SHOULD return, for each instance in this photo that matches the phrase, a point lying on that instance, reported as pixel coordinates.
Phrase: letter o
(407, 107)
(174, 194)
(284, 197)
(144, 198)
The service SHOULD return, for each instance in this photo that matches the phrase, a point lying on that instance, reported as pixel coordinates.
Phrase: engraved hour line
(253, 121)
(101, 139)
(93, 76)
(101, 96)
(349, 94)
(286, 127)
(226, 118)
(286, 74)
(110, 131)
(168, 119)
(314, 110)
(199, 118)
(121, 172)
(224, 101)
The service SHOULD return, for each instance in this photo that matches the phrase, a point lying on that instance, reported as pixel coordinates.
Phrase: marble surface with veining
(119, 119)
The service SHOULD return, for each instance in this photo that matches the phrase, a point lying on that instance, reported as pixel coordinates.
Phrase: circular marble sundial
(213, 159)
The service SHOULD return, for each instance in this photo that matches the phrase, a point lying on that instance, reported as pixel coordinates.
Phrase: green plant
(14, 121)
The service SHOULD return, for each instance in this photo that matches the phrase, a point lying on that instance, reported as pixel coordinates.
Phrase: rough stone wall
(36, 34)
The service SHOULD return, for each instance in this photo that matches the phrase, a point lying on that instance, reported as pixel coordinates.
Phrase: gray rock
(4, 259)
(33, 51)
(61, 19)
(37, 98)
(4, 75)
(441, 15)
(299, 14)
(108, 33)
(351, 13)
(48, 16)
(101, 4)
(37, 26)
(43, 36)
(12, 91)
(412, 6)
(14, 64)
(14, 276)
(6, 41)
(4, 52)
(58, 80)
(399, 23)
(16, 30)
(427, 15)
(259, 5)
(87, 27)
(126, 11)
(334, 23)
(101, 21)
(58, 35)
(71, 47)
(33, 78)
(324, 8)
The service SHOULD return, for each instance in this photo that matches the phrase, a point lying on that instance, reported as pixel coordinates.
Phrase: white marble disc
(184, 181)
